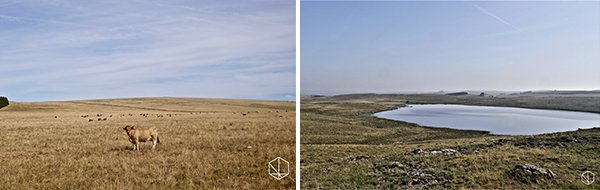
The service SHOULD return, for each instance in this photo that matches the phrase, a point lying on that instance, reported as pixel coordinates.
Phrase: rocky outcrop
(447, 152)
(533, 170)
(359, 159)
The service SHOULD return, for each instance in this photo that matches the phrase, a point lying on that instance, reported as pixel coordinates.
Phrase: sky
(410, 46)
(56, 50)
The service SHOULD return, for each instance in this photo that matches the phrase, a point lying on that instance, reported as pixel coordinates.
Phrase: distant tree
(3, 101)
(458, 94)
(482, 94)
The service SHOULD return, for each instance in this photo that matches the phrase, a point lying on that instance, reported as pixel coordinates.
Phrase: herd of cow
(149, 134)
(123, 115)
(157, 115)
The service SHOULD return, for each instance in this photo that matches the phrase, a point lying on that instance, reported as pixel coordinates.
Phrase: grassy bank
(205, 143)
(342, 146)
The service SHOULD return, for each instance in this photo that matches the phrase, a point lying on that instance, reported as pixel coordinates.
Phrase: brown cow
(141, 135)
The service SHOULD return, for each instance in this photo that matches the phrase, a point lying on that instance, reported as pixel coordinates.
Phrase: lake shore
(497, 120)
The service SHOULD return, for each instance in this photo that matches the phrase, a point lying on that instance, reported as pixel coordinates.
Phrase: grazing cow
(99, 119)
(91, 120)
(243, 114)
(104, 119)
(141, 135)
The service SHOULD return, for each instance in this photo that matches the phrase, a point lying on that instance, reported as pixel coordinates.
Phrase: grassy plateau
(205, 143)
(344, 147)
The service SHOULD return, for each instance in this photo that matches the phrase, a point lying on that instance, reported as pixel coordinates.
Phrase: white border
(298, 94)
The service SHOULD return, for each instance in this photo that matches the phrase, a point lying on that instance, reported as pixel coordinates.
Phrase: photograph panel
(449, 94)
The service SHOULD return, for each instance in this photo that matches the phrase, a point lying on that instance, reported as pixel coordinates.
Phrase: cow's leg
(153, 144)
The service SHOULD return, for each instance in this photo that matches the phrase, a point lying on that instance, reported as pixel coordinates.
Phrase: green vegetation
(3, 101)
(343, 146)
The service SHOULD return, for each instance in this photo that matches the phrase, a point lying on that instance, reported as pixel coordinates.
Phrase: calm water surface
(497, 120)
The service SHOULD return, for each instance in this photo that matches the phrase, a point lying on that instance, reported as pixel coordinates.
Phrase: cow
(141, 135)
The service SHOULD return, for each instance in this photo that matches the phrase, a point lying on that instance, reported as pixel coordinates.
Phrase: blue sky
(406, 46)
(68, 50)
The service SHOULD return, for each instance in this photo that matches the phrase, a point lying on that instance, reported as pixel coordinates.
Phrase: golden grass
(207, 150)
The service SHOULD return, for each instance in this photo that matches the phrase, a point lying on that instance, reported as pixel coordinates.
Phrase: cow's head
(128, 128)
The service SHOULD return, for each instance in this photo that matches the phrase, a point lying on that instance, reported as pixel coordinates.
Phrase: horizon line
(85, 99)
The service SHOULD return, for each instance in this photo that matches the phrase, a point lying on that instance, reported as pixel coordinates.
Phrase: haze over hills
(470, 92)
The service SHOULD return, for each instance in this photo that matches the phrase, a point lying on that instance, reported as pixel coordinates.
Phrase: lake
(497, 120)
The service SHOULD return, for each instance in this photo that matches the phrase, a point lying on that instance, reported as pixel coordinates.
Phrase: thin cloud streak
(14, 18)
(498, 18)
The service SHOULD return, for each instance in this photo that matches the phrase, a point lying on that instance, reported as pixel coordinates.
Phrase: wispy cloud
(498, 18)
(82, 50)
(13, 18)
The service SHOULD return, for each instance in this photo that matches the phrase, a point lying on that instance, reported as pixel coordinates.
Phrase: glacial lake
(497, 120)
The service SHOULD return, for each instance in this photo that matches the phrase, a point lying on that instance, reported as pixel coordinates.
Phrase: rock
(418, 151)
(418, 172)
(531, 169)
(450, 152)
(359, 159)
(397, 164)
(574, 140)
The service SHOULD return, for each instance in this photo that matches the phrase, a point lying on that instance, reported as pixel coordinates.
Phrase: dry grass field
(205, 143)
